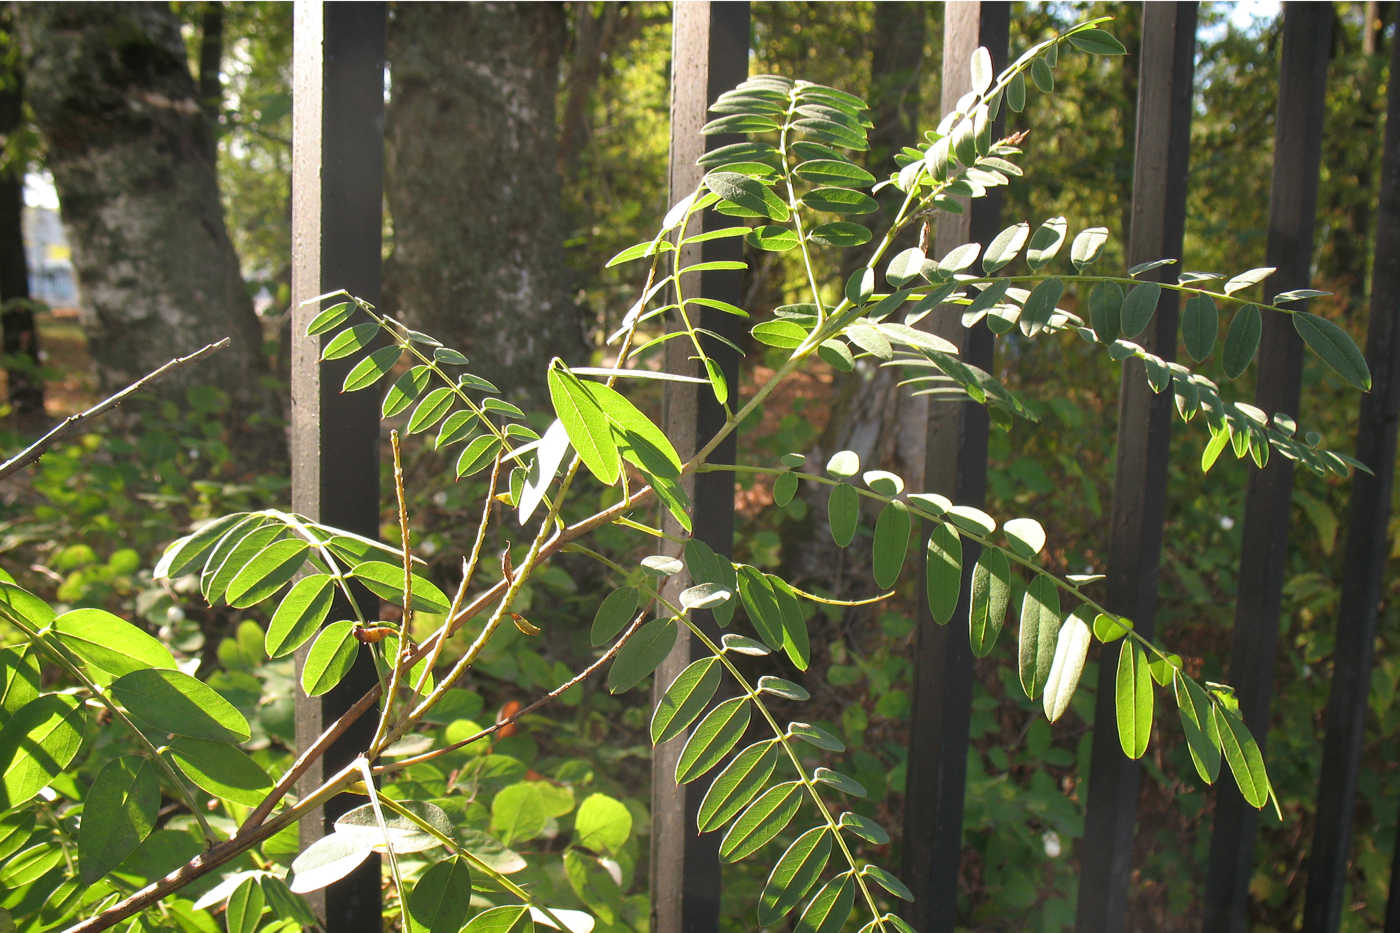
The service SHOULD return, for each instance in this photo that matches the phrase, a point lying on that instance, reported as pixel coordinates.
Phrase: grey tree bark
(473, 186)
(128, 146)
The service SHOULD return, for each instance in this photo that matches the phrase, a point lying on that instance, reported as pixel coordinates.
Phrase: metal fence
(338, 166)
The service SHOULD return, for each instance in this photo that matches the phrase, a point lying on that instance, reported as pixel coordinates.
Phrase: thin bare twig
(35, 450)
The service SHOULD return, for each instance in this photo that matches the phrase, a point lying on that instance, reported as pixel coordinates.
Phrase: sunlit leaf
(737, 784)
(685, 698)
(712, 739)
(991, 593)
(331, 656)
(943, 572)
(109, 644)
(1071, 648)
(891, 543)
(1040, 627)
(828, 911)
(170, 701)
(119, 812)
(1199, 725)
(1133, 700)
(761, 821)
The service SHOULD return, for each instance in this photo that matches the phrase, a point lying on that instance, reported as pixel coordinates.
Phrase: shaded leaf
(119, 812)
(943, 572)
(1040, 626)
(1139, 307)
(170, 701)
(843, 513)
(891, 544)
(299, 615)
(1199, 725)
(110, 644)
(991, 593)
(441, 896)
(1335, 347)
(221, 769)
(646, 649)
(1200, 320)
(1241, 341)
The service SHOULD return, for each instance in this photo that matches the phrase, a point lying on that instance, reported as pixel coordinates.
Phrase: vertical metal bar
(1307, 31)
(935, 784)
(709, 55)
(1158, 217)
(1366, 553)
(337, 174)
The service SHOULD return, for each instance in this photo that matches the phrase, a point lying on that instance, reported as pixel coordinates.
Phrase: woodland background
(526, 144)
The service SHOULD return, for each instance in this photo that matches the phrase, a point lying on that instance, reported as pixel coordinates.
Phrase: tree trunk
(129, 149)
(473, 186)
(211, 57)
(21, 336)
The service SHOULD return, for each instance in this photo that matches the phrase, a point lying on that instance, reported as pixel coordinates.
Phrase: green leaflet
(991, 593)
(1071, 648)
(430, 410)
(1045, 243)
(1026, 536)
(1241, 341)
(843, 513)
(784, 488)
(1040, 626)
(586, 424)
(523, 810)
(840, 233)
(796, 643)
(828, 910)
(1040, 305)
(785, 335)
(646, 649)
(1198, 722)
(515, 919)
(1087, 246)
(119, 812)
(371, 369)
(1242, 753)
(299, 615)
(36, 744)
(706, 566)
(385, 580)
(331, 656)
(1200, 321)
(761, 603)
(1335, 347)
(712, 739)
(221, 769)
(232, 554)
(943, 572)
(1105, 310)
(1248, 279)
(602, 823)
(749, 193)
(477, 455)
(840, 201)
(1096, 42)
(1004, 247)
(834, 172)
(169, 701)
(330, 318)
(1139, 307)
(1133, 700)
(737, 784)
(109, 645)
(888, 881)
(441, 897)
(761, 821)
(685, 698)
(269, 570)
(245, 907)
(349, 340)
(891, 544)
(187, 551)
(794, 874)
(842, 782)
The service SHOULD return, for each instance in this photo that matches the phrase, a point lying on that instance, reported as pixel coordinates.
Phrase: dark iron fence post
(1307, 30)
(1160, 156)
(337, 171)
(955, 464)
(1366, 553)
(709, 55)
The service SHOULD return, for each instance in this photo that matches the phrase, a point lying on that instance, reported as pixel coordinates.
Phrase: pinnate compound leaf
(891, 543)
(1199, 724)
(109, 644)
(991, 593)
(1241, 341)
(1133, 700)
(828, 911)
(943, 572)
(299, 615)
(1040, 626)
(1335, 347)
(331, 656)
(712, 739)
(737, 784)
(646, 649)
(1200, 321)
(843, 513)
(1071, 648)
(761, 821)
(794, 874)
(170, 701)
(602, 823)
(118, 814)
(685, 698)
(1242, 754)
(441, 896)
(221, 769)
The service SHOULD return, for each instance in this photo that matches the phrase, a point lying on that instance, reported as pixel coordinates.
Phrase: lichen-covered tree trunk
(473, 187)
(129, 150)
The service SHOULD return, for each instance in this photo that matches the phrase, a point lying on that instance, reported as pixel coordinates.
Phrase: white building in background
(50, 262)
